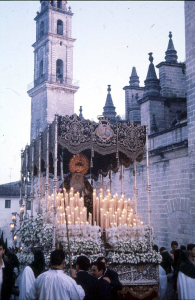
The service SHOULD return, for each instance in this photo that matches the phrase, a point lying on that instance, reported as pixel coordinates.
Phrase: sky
(111, 38)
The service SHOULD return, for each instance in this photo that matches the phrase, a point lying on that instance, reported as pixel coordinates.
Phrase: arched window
(60, 27)
(41, 69)
(59, 4)
(59, 70)
(42, 29)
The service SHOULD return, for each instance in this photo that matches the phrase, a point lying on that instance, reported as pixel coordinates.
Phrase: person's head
(189, 246)
(82, 263)
(155, 247)
(162, 249)
(97, 269)
(182, 247)
(57, 259)
(174, 246)
(191, 250)
(2, 250)
(103, 259)
(39, 257)
(177, 256)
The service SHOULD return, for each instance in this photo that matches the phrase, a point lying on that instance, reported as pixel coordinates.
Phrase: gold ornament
(79, 163)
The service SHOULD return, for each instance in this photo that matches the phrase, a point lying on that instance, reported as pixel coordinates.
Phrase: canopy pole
(122, 179)
(21, 176)
(47, 176)
(148, 186)
(135, 185)
(32, 178)
(67, 230)
(110, 175)
(26, 184)
(39, 174)
(55, 179)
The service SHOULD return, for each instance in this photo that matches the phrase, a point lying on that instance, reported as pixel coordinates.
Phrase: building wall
(132, 107)
(190, 80)
(172, 80)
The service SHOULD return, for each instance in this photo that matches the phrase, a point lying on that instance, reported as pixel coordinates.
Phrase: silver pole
(32, 178)
(135, 184)
(47, 175)
(148, 187)
(26, 183)
(39, 174)
(55, 179)
(21, 177)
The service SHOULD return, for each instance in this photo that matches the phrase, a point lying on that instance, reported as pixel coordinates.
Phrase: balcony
(57, 79)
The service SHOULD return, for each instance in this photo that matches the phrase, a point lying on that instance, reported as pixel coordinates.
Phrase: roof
(11, 189)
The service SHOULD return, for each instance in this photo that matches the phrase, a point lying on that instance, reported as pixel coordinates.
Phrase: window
(59, 70)
(60, 27)
(42, 29)
(41, 69)
(59, 4)
(52, 3)
(7, 203)
(28, 205)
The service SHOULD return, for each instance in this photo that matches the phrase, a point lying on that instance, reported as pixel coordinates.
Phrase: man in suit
(83, 278)
(112, 278)
(6, 276)
(97, 270)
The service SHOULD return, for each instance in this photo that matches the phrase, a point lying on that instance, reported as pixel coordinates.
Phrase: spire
(81, 112)
(171, 53)
(134, 79)
(109, 109)
(152, 83)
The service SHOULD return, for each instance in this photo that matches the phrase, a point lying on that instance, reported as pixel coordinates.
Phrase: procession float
(71, 209)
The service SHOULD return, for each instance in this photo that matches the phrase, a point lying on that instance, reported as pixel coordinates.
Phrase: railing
(67, 81)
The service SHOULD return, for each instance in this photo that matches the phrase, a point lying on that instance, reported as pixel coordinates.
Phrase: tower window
(42, 29)
(59, 4)
(60, 27)
(41, 69)
(59, 70)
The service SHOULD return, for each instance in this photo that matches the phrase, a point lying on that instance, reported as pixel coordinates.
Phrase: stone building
(166, 105)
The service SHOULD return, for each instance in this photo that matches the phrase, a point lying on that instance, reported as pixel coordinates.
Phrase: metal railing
(58, 79)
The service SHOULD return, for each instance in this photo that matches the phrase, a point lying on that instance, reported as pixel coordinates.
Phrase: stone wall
(190, 80)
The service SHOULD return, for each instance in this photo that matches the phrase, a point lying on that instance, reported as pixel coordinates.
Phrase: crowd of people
(177, 272)
(36, 282)
(91, 281)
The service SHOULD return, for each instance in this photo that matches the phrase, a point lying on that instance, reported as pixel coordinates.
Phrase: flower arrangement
(134, 258)
(34, 231)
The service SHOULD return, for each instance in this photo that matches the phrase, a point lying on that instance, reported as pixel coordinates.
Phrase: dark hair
(182, 247)
(83, 262)
(57, 257)
(174, 243)
(100, 258)
(100, 265)
(2, 244)
(155, 247)
(166, 261)
(162, 249)
(190, 247)
(38, 264)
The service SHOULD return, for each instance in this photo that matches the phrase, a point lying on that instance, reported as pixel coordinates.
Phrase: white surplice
(25, 282)
(162, 289)
(55, 285)
(185, 287)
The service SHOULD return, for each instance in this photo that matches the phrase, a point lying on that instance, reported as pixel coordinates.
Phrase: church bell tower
(52, 91)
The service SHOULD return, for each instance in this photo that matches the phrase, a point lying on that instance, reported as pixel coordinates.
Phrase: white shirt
(54, 284)
(1, 275)
(185, 287)
(25, 282)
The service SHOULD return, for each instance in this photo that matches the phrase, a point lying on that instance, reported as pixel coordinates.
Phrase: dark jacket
(8, 281)
(104, 289)
(115, 283)
(89, 284)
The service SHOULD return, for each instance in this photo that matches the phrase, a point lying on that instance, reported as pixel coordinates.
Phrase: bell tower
(52, 91)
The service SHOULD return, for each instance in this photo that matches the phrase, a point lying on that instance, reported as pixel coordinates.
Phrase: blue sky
(112, 37)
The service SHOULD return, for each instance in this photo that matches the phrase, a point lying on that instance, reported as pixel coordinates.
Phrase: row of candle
(112, 211)
(108, 211)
